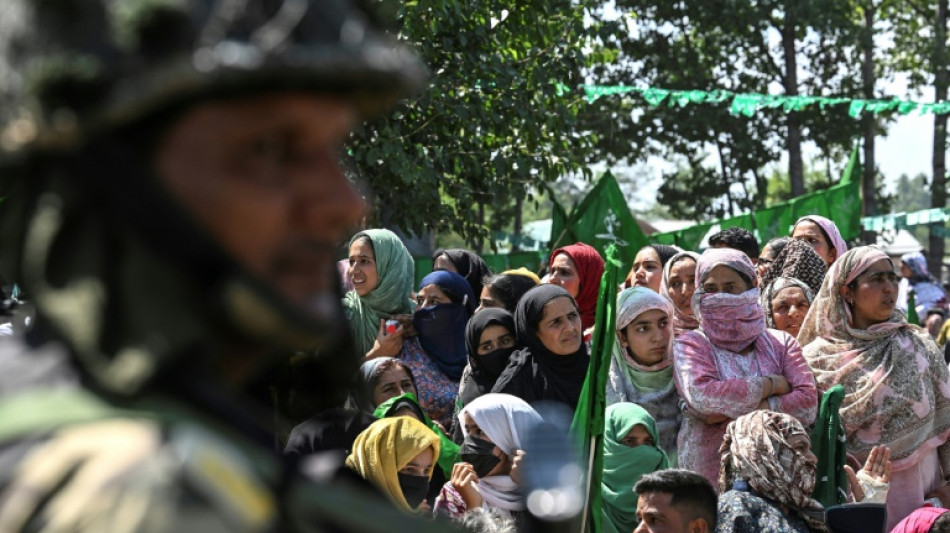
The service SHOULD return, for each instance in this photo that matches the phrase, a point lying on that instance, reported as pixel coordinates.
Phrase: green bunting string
(748, 104)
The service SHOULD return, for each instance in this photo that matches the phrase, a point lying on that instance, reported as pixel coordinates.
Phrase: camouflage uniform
(112, 417)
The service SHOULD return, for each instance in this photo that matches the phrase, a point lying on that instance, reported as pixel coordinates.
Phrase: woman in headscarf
(504, 290)
(797, 260)
(786, 302)
(578, 268)
(495, 427)
(679, 284)
(407, 405)
(381, 271)
(464, 263)
(552, 365)
(397, 455)
(630, 451)
(490, 340)
(648, 264)
(732, 364)
(768, 473)
(641, 369)
(822, 235)
(896, 382)
(768, 254)
(335, 429)
(437, 355)
(928, 294)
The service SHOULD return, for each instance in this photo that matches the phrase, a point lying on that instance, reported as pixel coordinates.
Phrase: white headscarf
(506, 421)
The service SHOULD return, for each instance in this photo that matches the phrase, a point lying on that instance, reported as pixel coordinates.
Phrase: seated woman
(381, 272)
(768, 473)
(464, 263)
(504, 290)
(822, 235)
(407, 405)
(437, 354)
(641, 369)
(679, 284)
(379, 380)
(896, 381)
(785, 302)
(490, 341)
(928, 294)
(648, 265)
(630, 452)
(397, 455)
(578, 268)
(552, 365)
(732, 364)
(495, 427)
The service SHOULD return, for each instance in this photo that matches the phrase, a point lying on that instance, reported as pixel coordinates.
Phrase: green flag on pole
(603, 218)
(844, 200)
(691, 237)
(587, 428)
(561, 234)
(745, 221)
(773, 222)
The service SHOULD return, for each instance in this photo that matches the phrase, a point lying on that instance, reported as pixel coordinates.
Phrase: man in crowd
(173, 206)
(675, 501)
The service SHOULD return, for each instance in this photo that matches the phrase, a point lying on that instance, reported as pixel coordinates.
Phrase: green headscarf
(396, 271)
(448, 452)
(624, 466)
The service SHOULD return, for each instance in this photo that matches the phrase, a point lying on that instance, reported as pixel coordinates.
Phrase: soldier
(173, 204)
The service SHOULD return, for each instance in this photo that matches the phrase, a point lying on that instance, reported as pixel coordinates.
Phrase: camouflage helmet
(71, 67)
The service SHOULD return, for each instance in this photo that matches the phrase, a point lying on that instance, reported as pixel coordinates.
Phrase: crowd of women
(723, 364)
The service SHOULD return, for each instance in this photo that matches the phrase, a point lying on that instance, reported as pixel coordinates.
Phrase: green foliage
(735, 45)
(492, 124)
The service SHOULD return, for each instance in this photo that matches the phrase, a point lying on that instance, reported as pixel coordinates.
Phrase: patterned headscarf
(396, 271)
(897, 383)
(755, 449)
(681, 321)
(385, 447)
(835, 240)
(920, 521)
(590, 268)
(800, 261)
(776, 287)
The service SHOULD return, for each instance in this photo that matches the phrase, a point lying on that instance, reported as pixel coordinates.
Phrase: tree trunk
(480, 243)
(938, 187)
(796, 173)
(519, 205)
(868, 125)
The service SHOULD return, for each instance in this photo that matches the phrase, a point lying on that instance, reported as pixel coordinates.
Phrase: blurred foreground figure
(173, 204)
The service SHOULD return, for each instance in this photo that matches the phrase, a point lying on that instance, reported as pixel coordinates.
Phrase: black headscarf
(535, 373)
(469, 265)
(484, 370)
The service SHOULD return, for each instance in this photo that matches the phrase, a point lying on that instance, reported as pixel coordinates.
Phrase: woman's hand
(464, 480)
(386, 345)
(780, 385)
(424, 509)
(877, 467)
(405, 322)
(516, 474)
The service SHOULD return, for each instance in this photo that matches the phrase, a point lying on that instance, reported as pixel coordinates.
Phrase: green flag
(603, 218)
(912, 317)
(668, 238)
(773, 222)
(561, 234)
(844, 200)
(745, 221)
(587, 428)
(691, 237)
(813, 203)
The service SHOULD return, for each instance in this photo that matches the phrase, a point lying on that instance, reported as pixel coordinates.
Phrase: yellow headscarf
(522, 271)
(385, 447)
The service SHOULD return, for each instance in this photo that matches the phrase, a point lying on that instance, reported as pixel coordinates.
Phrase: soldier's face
(262, 175)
